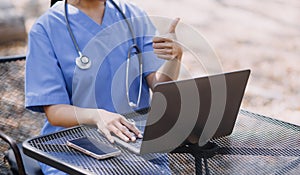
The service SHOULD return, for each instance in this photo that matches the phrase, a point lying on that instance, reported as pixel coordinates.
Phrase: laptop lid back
(193, 111)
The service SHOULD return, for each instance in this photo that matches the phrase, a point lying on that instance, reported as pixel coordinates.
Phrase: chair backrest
(18, 167)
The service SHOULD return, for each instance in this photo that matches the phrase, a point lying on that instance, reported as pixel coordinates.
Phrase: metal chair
(19, 163)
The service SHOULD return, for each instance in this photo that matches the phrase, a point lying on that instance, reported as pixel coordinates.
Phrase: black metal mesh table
(258, 145)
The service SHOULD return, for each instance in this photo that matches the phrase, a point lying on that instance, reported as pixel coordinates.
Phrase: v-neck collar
(86, 21)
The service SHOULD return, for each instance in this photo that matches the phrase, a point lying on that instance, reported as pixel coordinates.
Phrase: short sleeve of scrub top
(44, 83)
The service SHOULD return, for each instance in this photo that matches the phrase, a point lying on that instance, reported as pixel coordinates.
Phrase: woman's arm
(106, 121)
(168, 72)
(166, 48)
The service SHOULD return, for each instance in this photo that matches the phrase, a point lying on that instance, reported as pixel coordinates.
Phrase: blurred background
(261, 35)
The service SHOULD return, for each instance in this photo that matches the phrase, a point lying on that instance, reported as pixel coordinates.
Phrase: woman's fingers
(131, 126)
(111, 122)
(118, 132)
(166, 48)
(166, 57)
(161, 39)
(125, 131)
(163, 51)
(163, 45)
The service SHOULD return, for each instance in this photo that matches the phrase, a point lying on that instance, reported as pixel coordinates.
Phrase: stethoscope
(84, 62)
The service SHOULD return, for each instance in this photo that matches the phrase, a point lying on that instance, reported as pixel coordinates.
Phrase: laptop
(191, 111)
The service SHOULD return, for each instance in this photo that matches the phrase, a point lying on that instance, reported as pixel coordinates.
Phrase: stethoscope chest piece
(83, 62)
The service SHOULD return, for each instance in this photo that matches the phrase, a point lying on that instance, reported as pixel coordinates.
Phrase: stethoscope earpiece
(83, 62)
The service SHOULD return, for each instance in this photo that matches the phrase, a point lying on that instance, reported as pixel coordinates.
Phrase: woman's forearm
(168, 72)
(107, 122)
(68, 115)
(166, 47)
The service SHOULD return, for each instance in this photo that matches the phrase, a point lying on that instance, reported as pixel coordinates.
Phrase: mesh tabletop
(258, 145)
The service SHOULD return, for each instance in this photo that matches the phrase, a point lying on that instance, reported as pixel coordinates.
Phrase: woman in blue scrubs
(70, 96)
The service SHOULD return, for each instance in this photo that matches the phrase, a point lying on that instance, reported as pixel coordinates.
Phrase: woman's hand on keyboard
(108, 122)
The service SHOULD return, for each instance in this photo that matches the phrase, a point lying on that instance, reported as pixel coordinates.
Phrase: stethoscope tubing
(86, 64)
(70, 31)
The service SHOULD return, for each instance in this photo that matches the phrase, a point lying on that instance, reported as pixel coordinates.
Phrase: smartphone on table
(93, 147)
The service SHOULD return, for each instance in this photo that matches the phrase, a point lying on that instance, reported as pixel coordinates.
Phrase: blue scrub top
(52, 76)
